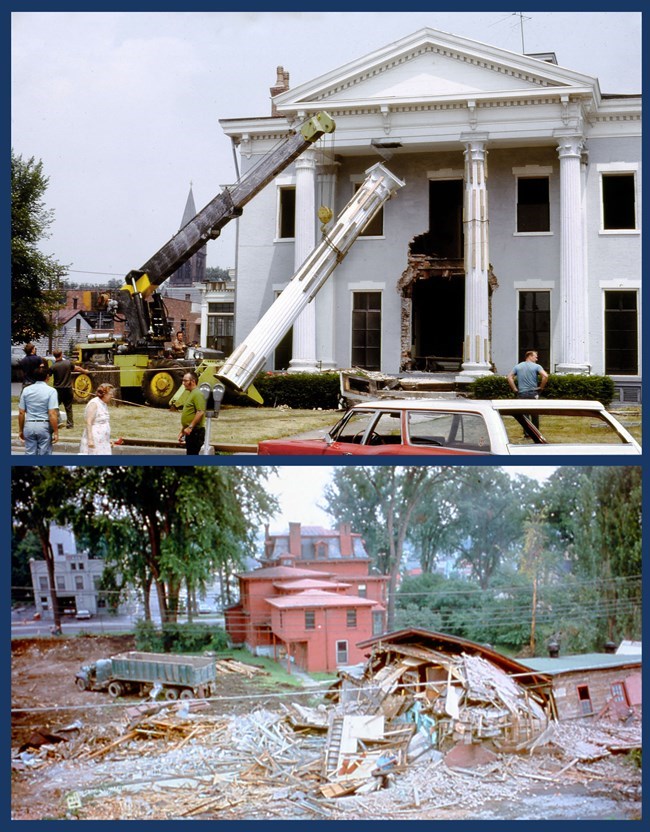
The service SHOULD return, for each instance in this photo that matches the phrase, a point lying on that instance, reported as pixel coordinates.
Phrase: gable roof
(431, 64)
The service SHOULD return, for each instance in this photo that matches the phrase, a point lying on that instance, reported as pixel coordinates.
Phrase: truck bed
(164, 667)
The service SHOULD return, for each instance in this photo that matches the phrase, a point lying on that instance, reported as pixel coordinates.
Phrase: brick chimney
(345, 532)
(281, 85)
(295, 547)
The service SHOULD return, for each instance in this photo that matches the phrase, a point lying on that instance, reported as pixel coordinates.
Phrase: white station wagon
(537, 427)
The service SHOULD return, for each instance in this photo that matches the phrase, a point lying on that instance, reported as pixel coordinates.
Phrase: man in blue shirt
(528, 377)
(38, 414)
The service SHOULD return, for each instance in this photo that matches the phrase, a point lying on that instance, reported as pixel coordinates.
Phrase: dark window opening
(533, 210)
(445, 236)
(621, 333)
(351, 618)
(287, 219)
(366, 330)
(585, 700)
(535, 326)
(619, 210)
(310, 620)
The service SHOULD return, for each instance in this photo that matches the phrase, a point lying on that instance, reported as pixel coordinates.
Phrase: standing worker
(192, 416)
(179, 345)
(29, 363)
(38, 414)
(62, 370)
(527, 378)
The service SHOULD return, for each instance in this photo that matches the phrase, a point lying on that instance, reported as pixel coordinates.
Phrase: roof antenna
(521, 17)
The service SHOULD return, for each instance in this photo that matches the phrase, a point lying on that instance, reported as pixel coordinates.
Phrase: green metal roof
(584, 661)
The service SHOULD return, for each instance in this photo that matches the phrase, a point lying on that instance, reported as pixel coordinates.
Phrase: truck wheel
(186, 693)
(171, 694)
(158, 386)
(81, 683)
(115, 689)
(82, 388)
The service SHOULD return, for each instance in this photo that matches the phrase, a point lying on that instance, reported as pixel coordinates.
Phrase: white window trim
(639, 352)
(446, 173)
(282, 183)
(614, 168)
(533, 172)
(367, 287)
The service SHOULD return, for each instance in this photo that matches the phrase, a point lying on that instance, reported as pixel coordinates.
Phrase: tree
(36, 279)
(491, 507)
(379, 503)
(166, 527)
(39, 497)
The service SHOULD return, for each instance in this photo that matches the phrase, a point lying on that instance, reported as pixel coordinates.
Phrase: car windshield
(462, 431)
(569, 427)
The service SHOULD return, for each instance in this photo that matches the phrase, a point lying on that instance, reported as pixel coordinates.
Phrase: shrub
(179, 638)
(306, 391)
(559, 386)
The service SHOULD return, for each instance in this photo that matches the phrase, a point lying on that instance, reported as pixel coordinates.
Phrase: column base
(471, 371)
(303, 365)
(577, 369)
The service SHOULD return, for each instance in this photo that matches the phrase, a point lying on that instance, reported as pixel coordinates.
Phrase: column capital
(470, 139)
(569, 144)
(306, 160)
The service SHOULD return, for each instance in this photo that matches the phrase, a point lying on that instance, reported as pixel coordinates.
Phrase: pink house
(311, 601)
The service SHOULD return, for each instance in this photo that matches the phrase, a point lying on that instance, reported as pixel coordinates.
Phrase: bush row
(304, 391)
(179, 638)
(570, 386)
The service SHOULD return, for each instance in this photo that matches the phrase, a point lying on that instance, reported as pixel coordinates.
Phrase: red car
(539, 427)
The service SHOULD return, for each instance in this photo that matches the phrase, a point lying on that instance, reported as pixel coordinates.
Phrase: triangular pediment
(430, 65)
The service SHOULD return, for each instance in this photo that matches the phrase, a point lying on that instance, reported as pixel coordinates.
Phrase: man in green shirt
(192, 416)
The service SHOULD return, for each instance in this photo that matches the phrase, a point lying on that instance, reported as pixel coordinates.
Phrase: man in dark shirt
(29, 364)
(62, 370)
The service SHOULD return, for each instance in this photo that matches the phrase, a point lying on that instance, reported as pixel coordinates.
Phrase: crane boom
(138, 300)
(250, 356)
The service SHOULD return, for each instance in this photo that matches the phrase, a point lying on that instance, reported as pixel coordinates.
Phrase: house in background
(312, 600)
(77, 576)
(592, 683)
(519, 226)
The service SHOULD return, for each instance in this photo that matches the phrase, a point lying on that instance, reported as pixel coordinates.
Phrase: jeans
(530, 394)
(194, 441)
(38, 438)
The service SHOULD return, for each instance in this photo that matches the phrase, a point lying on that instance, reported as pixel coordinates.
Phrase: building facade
(312, 600)
(518, 226)
(77, 577)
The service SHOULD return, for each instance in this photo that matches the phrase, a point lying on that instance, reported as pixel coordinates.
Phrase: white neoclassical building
(518, 227)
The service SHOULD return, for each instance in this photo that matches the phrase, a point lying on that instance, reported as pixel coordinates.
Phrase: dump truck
(136, 361)
(179, 677)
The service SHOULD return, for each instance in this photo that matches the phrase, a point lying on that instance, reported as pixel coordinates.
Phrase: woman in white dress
(96, 436)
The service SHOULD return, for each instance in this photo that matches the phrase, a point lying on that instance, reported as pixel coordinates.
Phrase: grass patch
(234, 425)
(277, 672)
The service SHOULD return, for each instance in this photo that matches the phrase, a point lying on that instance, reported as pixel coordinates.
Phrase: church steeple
(193, 271)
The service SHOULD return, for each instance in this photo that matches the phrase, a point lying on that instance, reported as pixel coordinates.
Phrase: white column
(304, 329)
(326, 303)
(574, 321)
(476, 346)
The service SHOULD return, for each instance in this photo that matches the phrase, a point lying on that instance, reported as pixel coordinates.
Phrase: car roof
(481, 405)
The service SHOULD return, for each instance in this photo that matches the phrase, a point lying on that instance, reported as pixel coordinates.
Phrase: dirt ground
(235, 758)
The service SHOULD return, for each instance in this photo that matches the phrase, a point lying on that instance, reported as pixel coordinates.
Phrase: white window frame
(347, 650)
(613, 168)
(622, 286)
(367, 287)
(282, 183)
(534, 286)
(533, 172)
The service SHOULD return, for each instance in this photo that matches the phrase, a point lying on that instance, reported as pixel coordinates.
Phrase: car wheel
(81, 683)
(171, 694)
(115, 689)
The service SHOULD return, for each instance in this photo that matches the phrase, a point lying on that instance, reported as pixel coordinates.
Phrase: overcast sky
(123, 108)
(300, 492)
